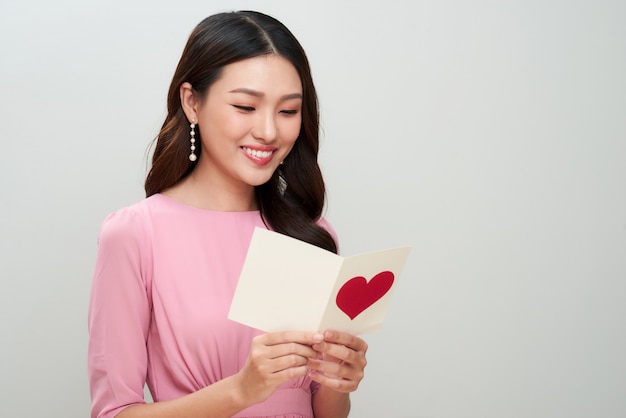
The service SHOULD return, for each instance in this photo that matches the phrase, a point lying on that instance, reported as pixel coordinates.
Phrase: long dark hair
(291, 202)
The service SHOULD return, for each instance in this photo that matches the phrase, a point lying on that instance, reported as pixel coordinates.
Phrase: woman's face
(249, 121)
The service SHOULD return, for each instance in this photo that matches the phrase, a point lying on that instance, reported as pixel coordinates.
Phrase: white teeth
(258, 154)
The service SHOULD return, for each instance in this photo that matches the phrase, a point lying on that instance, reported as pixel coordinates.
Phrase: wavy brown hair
(291, 202)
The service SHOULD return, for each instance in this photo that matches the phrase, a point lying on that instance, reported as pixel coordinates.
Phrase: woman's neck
(202, 191)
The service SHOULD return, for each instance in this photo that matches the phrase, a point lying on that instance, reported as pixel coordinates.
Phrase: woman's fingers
(342, 362)
(301, 337)
(277, 345)
(275, 358)
(344, 347)
(345, 339)
(333, 382)
(275, 352)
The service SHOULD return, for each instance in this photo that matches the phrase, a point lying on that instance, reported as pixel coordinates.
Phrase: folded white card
(287, 284)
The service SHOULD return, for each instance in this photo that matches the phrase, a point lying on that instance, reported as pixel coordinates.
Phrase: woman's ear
(189, 102)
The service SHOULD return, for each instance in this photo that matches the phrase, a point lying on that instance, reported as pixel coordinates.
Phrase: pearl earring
(192, 156)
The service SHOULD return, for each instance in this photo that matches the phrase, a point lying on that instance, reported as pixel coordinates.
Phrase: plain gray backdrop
(489, 135)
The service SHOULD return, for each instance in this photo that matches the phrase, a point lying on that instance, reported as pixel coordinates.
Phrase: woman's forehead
(265, 75)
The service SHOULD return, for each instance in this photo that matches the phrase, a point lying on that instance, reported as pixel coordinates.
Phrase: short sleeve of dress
(119, 314)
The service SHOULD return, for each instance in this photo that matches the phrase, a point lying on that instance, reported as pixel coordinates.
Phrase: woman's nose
(265, 128)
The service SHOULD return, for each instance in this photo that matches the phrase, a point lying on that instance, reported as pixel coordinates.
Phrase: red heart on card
(357, 294)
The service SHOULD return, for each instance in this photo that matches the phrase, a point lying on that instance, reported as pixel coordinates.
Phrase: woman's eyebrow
(256, 93)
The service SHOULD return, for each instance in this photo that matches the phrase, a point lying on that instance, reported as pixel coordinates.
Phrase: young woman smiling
(238, 150)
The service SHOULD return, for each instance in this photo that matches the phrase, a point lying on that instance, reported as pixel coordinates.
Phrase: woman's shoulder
(136, 212)
(325, 223)
(131, 221)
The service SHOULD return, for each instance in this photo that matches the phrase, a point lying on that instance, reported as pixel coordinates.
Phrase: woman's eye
(289, 112)
(244, 108)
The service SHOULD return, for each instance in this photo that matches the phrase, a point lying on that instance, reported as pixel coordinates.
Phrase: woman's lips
(259, 155)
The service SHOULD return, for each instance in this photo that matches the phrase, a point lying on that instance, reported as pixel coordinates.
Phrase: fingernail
(318, 337)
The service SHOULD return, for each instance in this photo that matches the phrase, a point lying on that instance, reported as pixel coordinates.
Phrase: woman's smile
(260, 155)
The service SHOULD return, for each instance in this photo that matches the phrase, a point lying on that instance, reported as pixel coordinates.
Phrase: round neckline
(175, 202)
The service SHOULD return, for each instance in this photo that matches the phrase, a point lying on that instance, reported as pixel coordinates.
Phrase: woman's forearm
(328, 403)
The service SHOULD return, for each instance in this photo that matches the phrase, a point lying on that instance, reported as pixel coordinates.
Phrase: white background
(489, 135)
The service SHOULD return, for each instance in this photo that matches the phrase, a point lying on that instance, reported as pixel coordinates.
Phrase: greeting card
(287, 284)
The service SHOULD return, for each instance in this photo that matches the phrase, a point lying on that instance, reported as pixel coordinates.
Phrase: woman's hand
(274, 358)
(340, 362)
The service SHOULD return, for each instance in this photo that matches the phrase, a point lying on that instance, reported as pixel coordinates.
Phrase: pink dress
(164, 277)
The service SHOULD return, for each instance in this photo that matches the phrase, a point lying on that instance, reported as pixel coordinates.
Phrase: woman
(238, 150)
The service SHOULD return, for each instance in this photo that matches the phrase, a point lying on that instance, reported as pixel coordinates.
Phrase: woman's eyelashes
(249, 109)
(244, 108)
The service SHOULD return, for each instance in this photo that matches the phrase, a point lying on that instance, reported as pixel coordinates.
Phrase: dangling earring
(192, 156)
